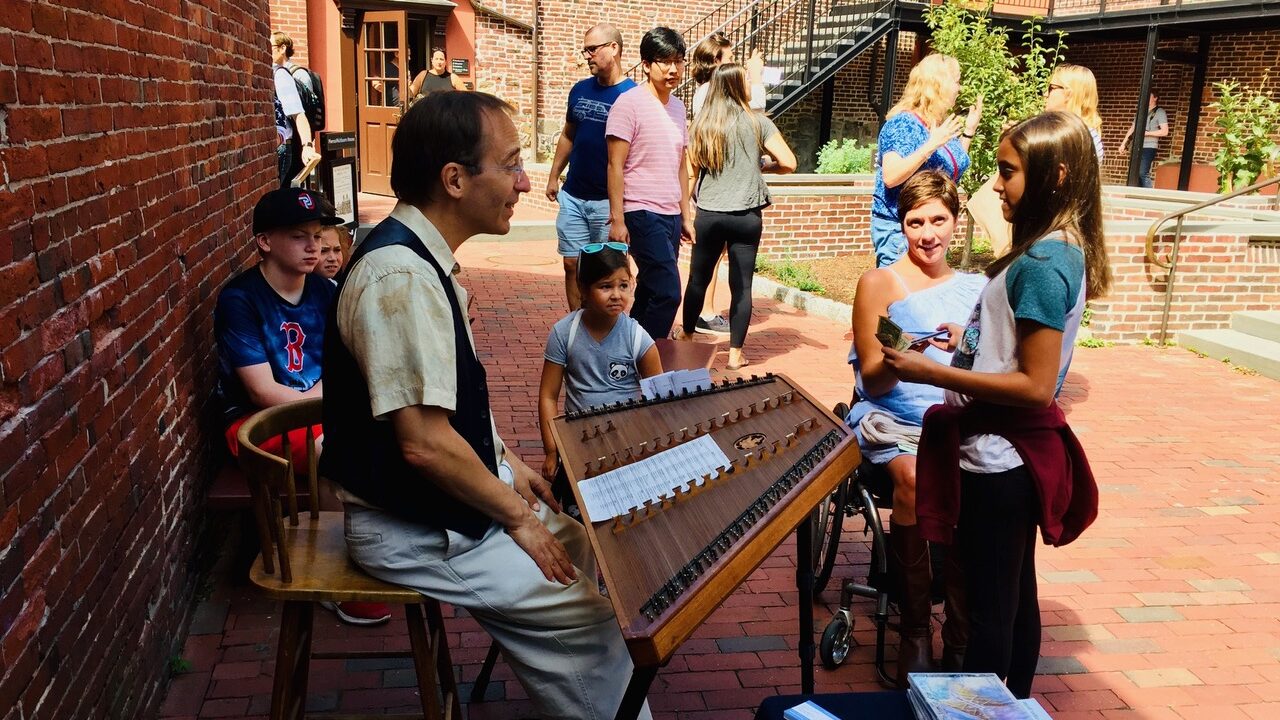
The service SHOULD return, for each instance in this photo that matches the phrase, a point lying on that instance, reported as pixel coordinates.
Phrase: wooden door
(383, 81)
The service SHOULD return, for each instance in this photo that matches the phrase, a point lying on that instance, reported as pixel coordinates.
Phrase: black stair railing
(801, 37)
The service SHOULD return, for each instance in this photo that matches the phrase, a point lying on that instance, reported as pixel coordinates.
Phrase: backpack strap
(573, 333)
(636, 341)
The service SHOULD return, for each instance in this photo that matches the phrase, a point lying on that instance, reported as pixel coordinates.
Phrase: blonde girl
(920, 133)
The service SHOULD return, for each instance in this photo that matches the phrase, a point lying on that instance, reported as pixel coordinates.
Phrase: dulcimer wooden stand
(670, 563)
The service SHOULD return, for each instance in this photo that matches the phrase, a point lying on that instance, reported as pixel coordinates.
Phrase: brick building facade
(133, 142)
(533, 60)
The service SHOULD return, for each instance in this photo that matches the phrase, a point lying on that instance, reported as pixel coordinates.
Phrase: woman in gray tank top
(727, 140)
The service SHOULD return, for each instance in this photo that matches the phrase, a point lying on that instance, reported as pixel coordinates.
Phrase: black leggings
(997, 543)
(740, 231)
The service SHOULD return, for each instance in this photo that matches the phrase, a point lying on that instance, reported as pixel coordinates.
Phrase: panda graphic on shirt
(619, 370)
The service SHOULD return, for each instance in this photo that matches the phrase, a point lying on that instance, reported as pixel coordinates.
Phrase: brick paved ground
(1169, 607)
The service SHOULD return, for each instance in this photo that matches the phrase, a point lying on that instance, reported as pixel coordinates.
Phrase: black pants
(714, 231)
(997, 542)
(655, 246)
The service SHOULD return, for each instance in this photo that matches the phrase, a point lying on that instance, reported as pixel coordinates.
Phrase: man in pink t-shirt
(648, 187)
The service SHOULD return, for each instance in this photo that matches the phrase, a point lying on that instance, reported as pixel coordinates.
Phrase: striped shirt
(658, 135)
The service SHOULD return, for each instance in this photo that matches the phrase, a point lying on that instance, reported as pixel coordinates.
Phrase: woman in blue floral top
(920, 134)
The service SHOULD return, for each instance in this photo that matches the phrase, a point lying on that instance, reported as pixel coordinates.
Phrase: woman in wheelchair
(919, 292)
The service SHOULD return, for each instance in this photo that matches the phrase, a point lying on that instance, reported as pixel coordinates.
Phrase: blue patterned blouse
(903, 134)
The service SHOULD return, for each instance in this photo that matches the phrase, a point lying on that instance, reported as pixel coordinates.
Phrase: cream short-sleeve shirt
(394, 317)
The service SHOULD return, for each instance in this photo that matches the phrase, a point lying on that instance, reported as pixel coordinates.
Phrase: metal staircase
(810, 40)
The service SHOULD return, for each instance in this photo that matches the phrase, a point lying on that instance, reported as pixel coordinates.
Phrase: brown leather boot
(955, 629)
(911, 552)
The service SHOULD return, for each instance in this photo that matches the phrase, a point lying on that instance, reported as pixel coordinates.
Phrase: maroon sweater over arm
(1064, 483)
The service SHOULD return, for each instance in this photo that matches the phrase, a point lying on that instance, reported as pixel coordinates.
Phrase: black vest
(361, 454)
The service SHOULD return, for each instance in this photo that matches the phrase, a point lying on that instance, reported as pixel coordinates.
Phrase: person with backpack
(300, 102)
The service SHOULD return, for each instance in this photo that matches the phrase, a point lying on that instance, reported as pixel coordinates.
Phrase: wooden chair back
(272, 478)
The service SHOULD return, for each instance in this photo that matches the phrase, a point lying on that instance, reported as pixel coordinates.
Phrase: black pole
(804, 583)
(636, 693)
(1144, 102)
(890, 66)
(1193, 112)
(828, 108)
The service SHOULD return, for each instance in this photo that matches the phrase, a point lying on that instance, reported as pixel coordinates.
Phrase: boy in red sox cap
(269, 324)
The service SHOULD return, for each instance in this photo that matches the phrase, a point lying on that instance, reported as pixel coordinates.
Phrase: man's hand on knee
(537, 541)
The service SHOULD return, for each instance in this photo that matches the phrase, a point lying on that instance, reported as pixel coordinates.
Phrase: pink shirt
(658, 136)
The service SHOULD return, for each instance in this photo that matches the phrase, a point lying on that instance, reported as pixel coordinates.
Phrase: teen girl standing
(1002, 459)
(727, 141)
(597, 353)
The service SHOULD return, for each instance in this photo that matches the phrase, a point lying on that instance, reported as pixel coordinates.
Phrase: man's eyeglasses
(590, 50)
(592, 248)
(517, 169)
(669, 62)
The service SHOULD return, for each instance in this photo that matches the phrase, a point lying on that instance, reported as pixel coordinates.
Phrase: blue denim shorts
(580, 222)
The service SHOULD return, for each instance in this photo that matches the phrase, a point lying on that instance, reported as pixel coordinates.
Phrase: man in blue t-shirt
(269, 325)
(584, 199)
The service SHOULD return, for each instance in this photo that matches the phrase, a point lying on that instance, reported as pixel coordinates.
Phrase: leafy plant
(840, 157)
(1250, 125)
(179, 665)
(791, 274)
(1093, 342)
(1012, 86)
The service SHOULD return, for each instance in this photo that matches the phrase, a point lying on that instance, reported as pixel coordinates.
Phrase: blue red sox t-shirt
(254, 325)
(589, 105)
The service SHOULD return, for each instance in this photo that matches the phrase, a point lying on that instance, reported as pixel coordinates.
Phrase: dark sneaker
(360, 613)
(715, 326)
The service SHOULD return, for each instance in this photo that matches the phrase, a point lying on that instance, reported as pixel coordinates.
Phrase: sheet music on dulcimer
(619, 491)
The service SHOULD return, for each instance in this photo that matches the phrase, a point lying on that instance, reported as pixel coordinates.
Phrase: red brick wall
(1217, 275)
(290, 18)
(503, 67)
(1117, 66)
(561, 27)
(133, 141)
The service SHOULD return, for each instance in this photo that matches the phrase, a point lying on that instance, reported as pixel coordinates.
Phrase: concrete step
(1236, 347)
(1263, 324)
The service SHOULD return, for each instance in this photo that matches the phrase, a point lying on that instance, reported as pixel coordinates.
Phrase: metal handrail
(1180, 216)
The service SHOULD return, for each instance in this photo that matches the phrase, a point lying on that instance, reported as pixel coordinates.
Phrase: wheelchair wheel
(828, 522)
(835, 642)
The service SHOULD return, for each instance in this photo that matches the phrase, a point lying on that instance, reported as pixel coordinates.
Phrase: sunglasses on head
(592, 248)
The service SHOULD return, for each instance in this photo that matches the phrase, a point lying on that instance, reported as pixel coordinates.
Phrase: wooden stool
(305, 561)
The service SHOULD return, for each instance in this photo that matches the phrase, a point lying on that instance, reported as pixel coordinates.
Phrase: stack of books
(968, 696)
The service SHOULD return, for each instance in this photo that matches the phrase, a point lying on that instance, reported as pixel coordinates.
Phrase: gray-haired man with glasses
(584, 199)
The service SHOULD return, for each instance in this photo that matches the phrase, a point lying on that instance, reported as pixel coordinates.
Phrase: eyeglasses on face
(592, 248)
(669, 62)
(590, 50)
(1054, 86)
(517, 169)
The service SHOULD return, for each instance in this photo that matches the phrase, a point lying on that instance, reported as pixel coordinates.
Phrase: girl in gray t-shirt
(597, 353)
(726, 143)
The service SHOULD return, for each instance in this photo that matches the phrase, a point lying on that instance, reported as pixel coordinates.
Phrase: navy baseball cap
(286, 207)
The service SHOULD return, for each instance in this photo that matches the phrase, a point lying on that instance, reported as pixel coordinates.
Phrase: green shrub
(840, 157)
(791, 274)
(1249, 122)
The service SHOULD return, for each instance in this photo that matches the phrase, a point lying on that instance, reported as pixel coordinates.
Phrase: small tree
(1250, 126)
(1012, 86)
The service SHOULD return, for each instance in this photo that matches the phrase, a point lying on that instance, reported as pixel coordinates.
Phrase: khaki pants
(562, 642)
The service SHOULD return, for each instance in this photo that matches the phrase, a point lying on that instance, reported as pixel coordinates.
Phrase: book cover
(968, 696)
